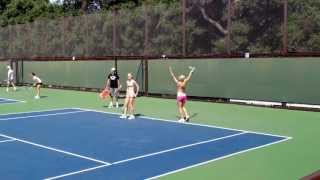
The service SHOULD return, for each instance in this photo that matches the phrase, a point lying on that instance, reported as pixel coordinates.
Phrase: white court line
(57, 150)
(216, 159)
(192, 124)
(40, 115)
(39, 111)
(12, 100)
(177, 148)
(76, 172)
(8, 140)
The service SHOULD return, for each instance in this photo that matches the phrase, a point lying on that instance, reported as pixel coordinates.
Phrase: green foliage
(70, 31)
(22, 11)
(304, 25)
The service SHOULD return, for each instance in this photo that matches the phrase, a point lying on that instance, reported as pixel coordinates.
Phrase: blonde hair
(182, 77)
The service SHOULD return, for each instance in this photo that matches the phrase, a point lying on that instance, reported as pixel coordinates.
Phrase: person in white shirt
(131, 94)
(10, 80)
(38, 84)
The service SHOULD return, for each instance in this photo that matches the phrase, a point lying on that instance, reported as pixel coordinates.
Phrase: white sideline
(193, 124)
(12, 100)
(76, 172)
(40, 115)
(8, 140)
(54, 149)
(177, 148)
(106, 164)
(216, 159)
(47, 110)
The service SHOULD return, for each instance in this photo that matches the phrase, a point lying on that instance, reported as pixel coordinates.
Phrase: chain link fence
(185, 28)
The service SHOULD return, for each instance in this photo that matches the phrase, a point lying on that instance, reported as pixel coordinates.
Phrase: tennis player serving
(181, 82)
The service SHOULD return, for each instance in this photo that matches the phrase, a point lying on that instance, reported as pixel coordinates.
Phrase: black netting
(100, 34)
(75, 36)
(54, 38)
(165, 29)
(130, 32)
(206, 26)
(4, 42)
(256, 26)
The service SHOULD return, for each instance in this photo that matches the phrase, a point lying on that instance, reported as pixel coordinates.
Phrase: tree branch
(213, 22)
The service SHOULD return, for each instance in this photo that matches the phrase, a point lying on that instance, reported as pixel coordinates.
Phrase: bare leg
(186, 113)
(14, 87)
(181, 110)
(38, 90)
(132, 106)
(125, 108)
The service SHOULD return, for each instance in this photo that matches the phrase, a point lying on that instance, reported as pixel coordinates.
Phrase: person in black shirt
(114, 86)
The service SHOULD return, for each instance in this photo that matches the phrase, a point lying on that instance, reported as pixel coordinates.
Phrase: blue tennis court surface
(8, 101)
(85, 144)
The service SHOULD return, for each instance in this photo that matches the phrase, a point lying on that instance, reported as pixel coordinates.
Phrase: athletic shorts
(38, 84)
(10, 81)
(113, 92)
(182, 99)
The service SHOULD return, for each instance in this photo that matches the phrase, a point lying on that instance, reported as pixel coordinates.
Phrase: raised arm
(190, 74)
(173, 76)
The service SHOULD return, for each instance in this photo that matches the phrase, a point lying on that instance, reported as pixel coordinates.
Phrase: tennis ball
(163, 56)
(73, 58)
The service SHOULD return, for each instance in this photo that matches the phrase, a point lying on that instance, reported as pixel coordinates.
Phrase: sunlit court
(159, 89)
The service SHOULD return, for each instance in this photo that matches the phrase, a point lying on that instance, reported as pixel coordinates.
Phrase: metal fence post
(183, 4)
(146, 49)
(228, 38)
(285, 28)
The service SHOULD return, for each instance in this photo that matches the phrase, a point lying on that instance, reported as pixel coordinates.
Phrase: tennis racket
(104, 94)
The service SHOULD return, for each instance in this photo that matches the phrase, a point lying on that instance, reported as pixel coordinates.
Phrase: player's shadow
(42, 97)
(193, 115)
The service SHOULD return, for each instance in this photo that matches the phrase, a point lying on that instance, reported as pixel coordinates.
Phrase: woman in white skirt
(132, 93)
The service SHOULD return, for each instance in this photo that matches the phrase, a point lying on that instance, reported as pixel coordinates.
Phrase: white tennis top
(10, 75)
(37, 79)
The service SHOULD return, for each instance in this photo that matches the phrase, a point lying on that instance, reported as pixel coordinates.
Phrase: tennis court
(71, 135)
(102, 146)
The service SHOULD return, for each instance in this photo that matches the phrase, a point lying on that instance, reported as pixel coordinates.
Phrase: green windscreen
(278, 79)
(3, 71)
(90, 74)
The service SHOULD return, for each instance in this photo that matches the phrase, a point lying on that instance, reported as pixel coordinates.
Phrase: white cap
(113, 69)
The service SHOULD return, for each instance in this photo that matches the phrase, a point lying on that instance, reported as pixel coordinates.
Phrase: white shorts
(10, 81)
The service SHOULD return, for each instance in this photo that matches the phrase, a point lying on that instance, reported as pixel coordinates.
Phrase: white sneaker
(182, 120)
(14, 88)
(37, 97)
(123, 116)
(131, 117)
(110, 105)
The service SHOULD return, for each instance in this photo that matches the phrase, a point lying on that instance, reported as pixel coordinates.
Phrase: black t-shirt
(113, 77)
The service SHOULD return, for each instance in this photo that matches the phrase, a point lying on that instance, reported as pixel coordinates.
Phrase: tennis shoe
(131, 117)
(182, 120)
(123, 116)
